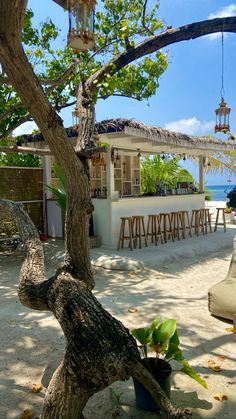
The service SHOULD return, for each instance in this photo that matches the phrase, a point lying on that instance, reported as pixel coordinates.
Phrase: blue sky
(189, 90)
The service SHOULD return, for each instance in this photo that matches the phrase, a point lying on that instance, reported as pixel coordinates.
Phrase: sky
(190, 89)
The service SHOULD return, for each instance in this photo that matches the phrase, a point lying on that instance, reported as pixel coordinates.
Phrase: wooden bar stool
(175, 224)
(151, 227)
(206, 219)
(220, 211)
(166, 226)
(139, 230)
(126, 224)
(197, 221)
(185, 223)
(154, 228)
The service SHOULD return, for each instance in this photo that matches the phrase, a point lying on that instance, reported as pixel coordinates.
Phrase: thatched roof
(157, 136)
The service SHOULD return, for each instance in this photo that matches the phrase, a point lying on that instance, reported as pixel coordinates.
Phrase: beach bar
(115, 175)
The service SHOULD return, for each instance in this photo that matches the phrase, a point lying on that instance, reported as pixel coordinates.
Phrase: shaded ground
(32, 343)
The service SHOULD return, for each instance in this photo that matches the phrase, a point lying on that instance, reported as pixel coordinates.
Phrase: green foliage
(119, 25)
(167, 171)
(59, 192)
(162, 338)
(17, 159)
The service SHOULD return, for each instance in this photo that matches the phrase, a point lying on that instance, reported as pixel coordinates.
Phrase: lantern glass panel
(81, 18)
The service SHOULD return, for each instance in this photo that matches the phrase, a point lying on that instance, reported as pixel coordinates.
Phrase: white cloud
(226, 11)
(191, 126)
(25, 128)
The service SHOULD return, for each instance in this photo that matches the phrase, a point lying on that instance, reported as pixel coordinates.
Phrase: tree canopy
(119, 25)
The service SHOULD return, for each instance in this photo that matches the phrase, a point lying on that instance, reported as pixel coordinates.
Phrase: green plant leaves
(59, 192)
(167, 171)
(187, 369)
(142, 335)
(162, 337)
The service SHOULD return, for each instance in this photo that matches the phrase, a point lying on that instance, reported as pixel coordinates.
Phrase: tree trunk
(86, 114)
(99, 349)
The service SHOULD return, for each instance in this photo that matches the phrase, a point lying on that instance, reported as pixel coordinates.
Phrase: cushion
(222, 296)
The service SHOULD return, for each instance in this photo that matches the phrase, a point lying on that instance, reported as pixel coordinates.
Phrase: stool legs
(139, 230)
(207, 220)
(175, 222)
(154, 228)
(166, 226)
(185, 223)
(151, 227)
(218, 223)
(122, 235)
(197, 221)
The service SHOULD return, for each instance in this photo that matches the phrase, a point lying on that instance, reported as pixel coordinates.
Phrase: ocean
(217, 191)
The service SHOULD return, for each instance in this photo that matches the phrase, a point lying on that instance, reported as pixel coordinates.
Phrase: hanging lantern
(222, 113)
(81, 24)
(222, 117)
(75, 119)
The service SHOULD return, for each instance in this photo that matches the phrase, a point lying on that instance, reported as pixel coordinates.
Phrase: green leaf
(142, 334)
(155, 323)
(187, 369)
(166, 330)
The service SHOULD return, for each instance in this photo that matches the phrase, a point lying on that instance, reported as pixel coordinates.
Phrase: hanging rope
(222, 62)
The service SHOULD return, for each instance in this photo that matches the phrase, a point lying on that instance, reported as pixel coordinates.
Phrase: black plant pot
(161, 371)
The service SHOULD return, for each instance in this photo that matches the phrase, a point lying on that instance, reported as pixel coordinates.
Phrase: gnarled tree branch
(156, 42)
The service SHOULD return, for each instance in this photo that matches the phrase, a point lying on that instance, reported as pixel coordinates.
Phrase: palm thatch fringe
(133, 127)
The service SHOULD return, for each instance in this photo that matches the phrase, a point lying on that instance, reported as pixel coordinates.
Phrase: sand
(173, 285)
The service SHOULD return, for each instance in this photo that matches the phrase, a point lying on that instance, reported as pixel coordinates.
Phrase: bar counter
(108, 211)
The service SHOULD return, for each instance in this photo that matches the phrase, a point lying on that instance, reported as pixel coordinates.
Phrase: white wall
(54, 219)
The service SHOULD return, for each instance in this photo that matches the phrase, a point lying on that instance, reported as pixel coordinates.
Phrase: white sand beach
(170, 280)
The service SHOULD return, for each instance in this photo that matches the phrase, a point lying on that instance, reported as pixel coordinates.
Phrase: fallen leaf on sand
(36, 388)
(220, 396)
(27, 414)
(216, 368)
(211, 362)
(229, 329)
(132, 273)
(221, 357)
(132, 310)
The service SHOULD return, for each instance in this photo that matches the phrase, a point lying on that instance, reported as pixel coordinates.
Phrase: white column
(202, 161)
(110, 174)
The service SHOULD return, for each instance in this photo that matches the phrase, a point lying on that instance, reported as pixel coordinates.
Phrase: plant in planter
(162, 338)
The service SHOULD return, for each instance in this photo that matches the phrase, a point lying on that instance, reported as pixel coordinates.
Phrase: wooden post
(202, 160)
(110, 174)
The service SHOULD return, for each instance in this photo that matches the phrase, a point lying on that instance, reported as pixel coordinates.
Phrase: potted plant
(162, 338)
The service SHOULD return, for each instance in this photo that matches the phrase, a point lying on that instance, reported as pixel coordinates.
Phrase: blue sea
(217, 191)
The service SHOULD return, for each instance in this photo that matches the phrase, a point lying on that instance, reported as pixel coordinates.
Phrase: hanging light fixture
(222, 113)
(81, 24)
